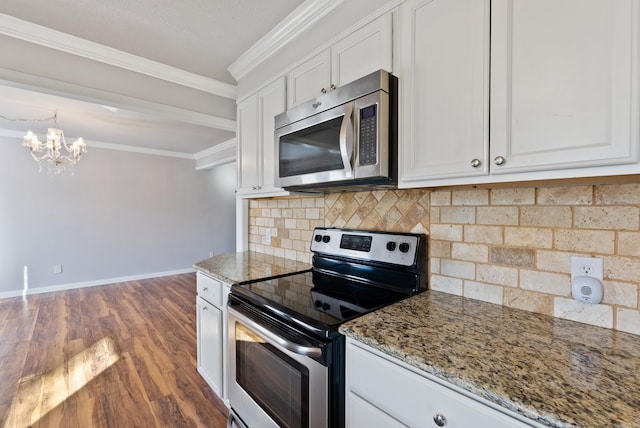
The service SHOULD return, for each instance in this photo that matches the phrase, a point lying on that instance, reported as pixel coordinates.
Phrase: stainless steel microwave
(343, 140)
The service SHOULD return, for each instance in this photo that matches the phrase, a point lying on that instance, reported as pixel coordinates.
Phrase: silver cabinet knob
(333, 86)
(499, 160)
(440, 420)
(323, 90)
(475, 163)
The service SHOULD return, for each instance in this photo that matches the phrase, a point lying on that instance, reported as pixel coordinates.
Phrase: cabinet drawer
(209, 289)
(412, 399)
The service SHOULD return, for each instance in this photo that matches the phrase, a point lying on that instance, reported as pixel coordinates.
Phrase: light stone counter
(245, 266)
(559, 373)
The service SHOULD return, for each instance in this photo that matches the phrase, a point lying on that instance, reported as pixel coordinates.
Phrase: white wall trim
(43, 36)
(226, 145)
(217, 162)
(108, 281)
(303, 17)
(16, 79)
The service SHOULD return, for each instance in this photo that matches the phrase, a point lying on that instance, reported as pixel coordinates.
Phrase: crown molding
(45, 85)
(303, 17)
(43, 36)
(225, 145)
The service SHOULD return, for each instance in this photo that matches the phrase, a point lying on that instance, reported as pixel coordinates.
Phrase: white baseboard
(62, 287)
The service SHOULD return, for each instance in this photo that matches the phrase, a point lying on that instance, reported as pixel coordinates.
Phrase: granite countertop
(245, 266)
(557, 372)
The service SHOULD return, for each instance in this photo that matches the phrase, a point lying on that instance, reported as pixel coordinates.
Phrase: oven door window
(312, 149)
(276, 382)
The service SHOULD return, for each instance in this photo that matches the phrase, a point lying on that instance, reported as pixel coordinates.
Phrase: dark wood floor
(121, 355)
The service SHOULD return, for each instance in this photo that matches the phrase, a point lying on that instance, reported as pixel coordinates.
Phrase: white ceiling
(198, 36)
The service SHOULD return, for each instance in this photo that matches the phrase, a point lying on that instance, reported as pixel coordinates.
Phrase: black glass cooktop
(317, 301)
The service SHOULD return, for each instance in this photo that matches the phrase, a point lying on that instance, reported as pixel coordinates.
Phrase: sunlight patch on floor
(37, 396)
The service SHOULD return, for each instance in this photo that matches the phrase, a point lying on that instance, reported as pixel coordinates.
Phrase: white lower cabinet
(211, 319)
(385, 392)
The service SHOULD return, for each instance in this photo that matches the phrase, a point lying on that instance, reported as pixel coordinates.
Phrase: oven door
(274, 380)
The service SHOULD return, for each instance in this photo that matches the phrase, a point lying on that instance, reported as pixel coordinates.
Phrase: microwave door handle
(346, 144)
(296, 348)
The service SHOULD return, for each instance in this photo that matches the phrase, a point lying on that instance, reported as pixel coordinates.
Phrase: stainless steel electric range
(286, 356)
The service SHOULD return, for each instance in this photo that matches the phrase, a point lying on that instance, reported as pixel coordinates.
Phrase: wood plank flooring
(120, 355)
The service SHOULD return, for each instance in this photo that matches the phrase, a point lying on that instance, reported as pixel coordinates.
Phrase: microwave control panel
(368, 146)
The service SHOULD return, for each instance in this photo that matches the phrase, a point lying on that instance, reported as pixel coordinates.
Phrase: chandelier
(49, 154)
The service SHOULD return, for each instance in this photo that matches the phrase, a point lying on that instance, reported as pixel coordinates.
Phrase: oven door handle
(296, 348)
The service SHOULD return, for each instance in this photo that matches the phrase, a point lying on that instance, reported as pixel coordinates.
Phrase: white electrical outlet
(57, 268)
(267, 236)
(586, 266)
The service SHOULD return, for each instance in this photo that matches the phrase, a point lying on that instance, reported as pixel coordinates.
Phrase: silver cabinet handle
(475, 163)
(204, 308)
(440, 420)
(205, 289)
(499, 160)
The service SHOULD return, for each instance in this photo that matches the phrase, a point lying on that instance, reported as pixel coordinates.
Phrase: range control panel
(396, 248)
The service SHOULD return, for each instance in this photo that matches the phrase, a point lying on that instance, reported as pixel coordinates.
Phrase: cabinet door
(272, 101)
(564, 84)
(362, 52)
(249, 168)
(309, 79)
(210, 344)
(444, 87)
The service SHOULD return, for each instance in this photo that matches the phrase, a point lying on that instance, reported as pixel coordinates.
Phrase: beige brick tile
(303, 257)
(287, 213)
(290, 223)
(483, 234)
(299, 213)
(458, 269)
(262, 203)
(286, 243)
(259, 248)
(269, 222)
(629, 244)
(620, 293)
(290, 254)
(434, 265)
(294, 234)
(419, 228)
(312, 213)
(616, 218)
(283, 203)
(546, 216)
(272, 203)
(265, 212)
(600, 315)
(354, 222)
(434, 213)
(259, 221)
(584, 241)
(278, 252)
(470, 197)
(497, 275)
(544, 282)
(299, 245)
(446, 284)
(528, 300)
(497, 215)
(485, 292)
(440, 198)
(518, 257)
(386, 203)
(628, 320)
(554, 261)
(306, 235)
(535, 237)
(470, 252)
(570, 195)
(446, 232)
(276, 212)
(268, 250)
(320, 203)
(518, 196)
(618, 194)
(252, 246)
(295, 203)
(463, 215)
(621, 268)
(309, 202)
(439, 248)
(302, 224)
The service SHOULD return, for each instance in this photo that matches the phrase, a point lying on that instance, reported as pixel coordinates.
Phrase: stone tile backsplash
(510, 246)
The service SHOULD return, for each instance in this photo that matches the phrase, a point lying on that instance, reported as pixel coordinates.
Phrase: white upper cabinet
(444, 78)
(563, 79)
(563, 83)
(256, 150)
(363, 51)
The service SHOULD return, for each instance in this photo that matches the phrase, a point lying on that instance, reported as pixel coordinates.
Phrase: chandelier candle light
(49, 154)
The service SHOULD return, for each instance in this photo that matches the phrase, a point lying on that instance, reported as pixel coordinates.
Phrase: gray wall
(121, 215)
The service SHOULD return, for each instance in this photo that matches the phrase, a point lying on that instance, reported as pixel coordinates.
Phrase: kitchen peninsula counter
(559, 373)
(245, 266)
